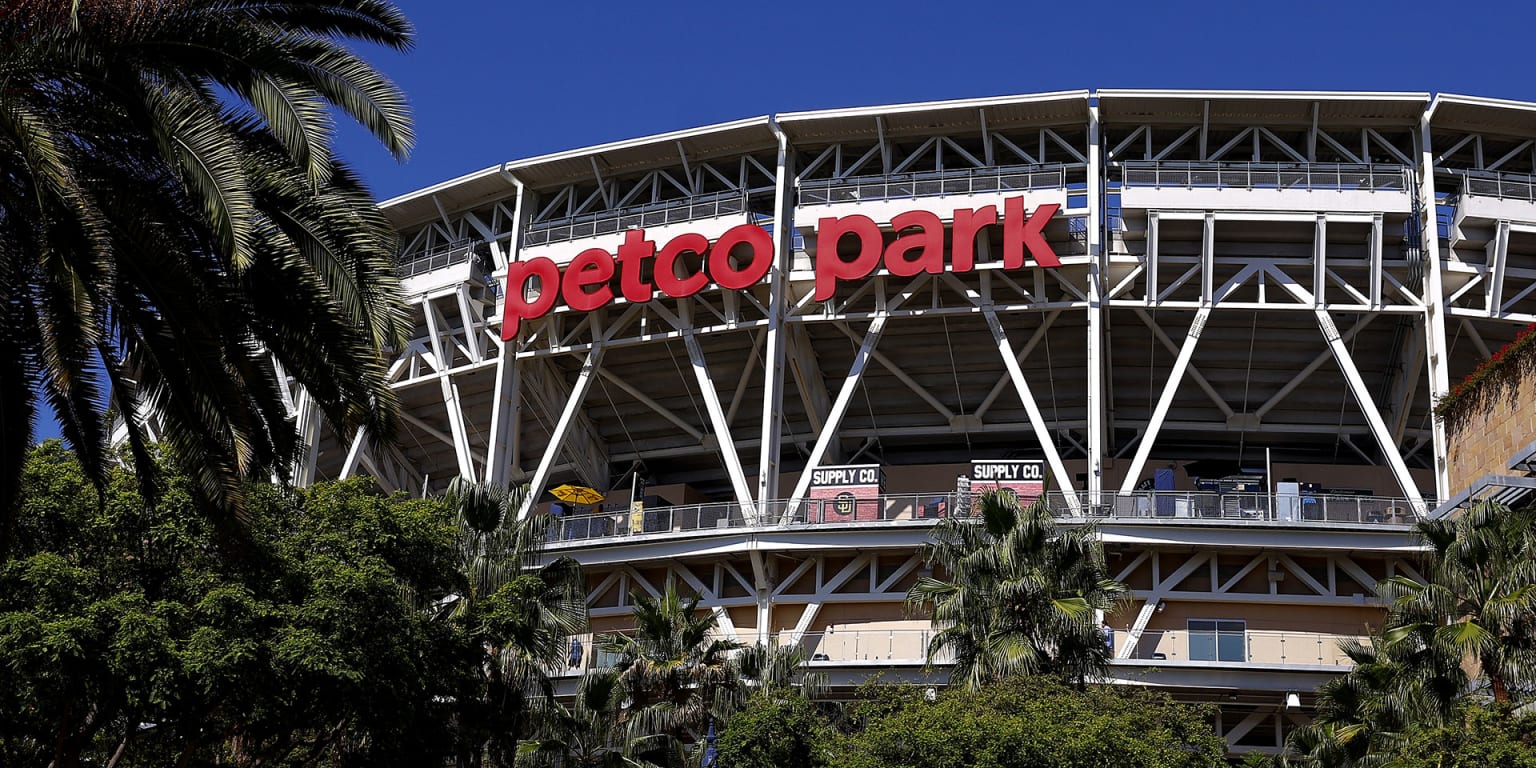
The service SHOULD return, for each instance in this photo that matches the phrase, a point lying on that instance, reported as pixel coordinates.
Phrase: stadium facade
(1212, 323)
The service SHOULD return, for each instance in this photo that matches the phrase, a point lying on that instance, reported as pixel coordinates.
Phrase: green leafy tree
(777, 728)
(1026, 722)
(177, 237)
(1483, 737)
(1020, 597)
(517, 615)
(1480, 599)
(128, 638)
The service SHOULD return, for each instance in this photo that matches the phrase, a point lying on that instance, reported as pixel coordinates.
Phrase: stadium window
(1217, 640)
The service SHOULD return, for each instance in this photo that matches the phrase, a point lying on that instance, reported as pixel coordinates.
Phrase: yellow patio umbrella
(576, 494)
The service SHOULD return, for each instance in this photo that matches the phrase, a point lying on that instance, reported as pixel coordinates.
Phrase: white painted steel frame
(449, 353)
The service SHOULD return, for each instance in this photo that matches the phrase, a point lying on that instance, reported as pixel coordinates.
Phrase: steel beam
(1036, 420)
(861, 361)
(724, 443)
(1436, 350)
(456, 425)
(772, 422)
(1180, 364)
(1098, 416)
(568, 416)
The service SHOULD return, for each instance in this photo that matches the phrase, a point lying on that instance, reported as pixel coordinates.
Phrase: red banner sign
(919, 246)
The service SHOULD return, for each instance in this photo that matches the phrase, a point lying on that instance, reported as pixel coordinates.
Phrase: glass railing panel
(1285, 176)
(897, 509)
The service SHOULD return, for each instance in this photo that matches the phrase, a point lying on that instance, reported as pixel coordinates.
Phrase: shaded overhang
(948, 117)
(1180, 107)
(1476, 114)
(619, 158)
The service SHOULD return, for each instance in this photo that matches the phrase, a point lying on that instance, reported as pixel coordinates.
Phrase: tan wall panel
(1490, 430)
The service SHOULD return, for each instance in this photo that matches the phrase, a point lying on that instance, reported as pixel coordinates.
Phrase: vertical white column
(450, 389)
(506, 403)
(1435, 308)
(778, 303)
(1097, 399)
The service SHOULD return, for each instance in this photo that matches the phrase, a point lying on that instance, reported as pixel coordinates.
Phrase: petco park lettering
(918, 247)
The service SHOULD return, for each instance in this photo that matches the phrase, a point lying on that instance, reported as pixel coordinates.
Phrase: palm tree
(1480, 599)
(1362, 715)
(591, 733)
(1021, 595)
(776, 668)
(519, 612)
(676, 672)
(176, 236)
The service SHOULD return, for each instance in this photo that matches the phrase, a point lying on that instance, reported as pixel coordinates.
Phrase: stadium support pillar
(778, 303)
(309, 434)
(1097, 400)
(1361, 392)
(1367, 403)
(1434, 302)
(562, 427)
(506, 411)
(501, 455)
(456, 426)
(861, 362)
(724, 443)
(1036, 420)
(1165, 401)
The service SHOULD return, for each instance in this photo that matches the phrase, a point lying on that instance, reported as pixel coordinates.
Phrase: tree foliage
(177, 237)
(1020, 597)
(1464, 638)
(1480, 598)
(515, 615)
(1026, 722)
(674, 667)
(778, 728)
(128, 636)
(1484, 737)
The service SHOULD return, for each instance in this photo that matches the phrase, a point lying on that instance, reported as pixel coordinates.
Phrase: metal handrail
(639, 216)
(1498, 184)
(833, 646)
(438, 257)
(963, 181)
(1255, 507)
(1281, 648)
(919, 508)
(1300, 176)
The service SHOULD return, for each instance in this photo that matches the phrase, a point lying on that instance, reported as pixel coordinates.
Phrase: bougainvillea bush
(1496, 370)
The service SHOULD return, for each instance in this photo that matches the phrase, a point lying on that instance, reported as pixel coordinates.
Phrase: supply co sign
(919, 246)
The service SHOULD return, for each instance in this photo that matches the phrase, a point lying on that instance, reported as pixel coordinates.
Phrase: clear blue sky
(494, 80)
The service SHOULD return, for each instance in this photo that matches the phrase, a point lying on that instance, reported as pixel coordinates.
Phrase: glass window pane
(1231, 626)
(1202, 646)
(1200, 625)
(1230, 647)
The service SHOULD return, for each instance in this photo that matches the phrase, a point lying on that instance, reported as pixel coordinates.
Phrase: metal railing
(843, 646)
(1503, 186)
(965, 181)
(920, 508)
(776, 513)
(834, 645)
(438, 257)
(650, 215)
(1302, 176)
(1250, 647)
(1253, 507)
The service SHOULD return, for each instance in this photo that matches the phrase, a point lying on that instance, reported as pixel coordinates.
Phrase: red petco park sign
(585, 283)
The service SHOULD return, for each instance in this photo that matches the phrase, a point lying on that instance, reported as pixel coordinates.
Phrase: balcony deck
(1141, 515)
